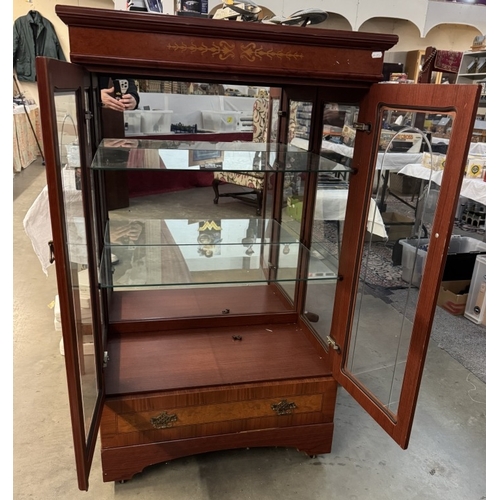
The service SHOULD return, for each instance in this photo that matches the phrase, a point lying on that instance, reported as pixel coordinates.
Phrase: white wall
(47, 10)
(418, 23)
(423, 13)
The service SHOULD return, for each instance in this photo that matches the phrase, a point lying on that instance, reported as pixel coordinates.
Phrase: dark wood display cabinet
(191, 326)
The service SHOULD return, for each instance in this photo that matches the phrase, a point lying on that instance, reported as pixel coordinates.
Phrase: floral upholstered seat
(252, 182)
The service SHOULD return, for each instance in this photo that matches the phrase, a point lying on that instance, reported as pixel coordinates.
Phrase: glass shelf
(181, 252)
(123, 154)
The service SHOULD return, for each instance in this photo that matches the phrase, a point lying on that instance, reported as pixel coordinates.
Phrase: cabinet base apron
(122, 463)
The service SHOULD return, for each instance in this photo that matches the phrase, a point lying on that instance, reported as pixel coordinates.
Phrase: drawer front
(223, 410)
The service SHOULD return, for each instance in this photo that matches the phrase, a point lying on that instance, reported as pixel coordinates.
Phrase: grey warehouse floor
(446, 458)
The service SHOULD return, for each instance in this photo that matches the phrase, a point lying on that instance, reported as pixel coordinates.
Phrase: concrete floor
(446, 459)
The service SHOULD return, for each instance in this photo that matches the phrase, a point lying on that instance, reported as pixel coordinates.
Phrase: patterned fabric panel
(292, 124)
(260, 116)
(251, 180)
(254, 181)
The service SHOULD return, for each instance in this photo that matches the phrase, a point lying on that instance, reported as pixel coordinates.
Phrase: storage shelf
(472, 75)
(128, 154)
(173, 253)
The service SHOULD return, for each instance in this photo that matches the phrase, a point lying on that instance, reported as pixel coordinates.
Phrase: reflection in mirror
(406, 190)
(66, 107)
(198, 111)
(299, 128)
(169, 107)
(329, 214)
(184, 252)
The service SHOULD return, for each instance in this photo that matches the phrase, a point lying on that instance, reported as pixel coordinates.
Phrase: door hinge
(334, 344)
(105, 359)
(362, 127)
(52, 257)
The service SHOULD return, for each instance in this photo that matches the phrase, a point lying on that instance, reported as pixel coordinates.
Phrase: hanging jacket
(33, 36)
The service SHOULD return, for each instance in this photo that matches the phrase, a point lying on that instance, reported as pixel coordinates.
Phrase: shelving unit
(473, 67)
(473, 71)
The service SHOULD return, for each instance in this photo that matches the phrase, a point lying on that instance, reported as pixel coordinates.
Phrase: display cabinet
(214, 328)
(473, 67)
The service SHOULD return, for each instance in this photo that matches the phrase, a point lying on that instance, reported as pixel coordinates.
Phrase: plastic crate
(132, 122)
(460, 261)
(475, 309)
(220, 121)
(156, 122)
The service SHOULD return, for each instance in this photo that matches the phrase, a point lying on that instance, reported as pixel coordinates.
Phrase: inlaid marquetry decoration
(253, 52)
(225, 50)
(284, 407)
(163, 420)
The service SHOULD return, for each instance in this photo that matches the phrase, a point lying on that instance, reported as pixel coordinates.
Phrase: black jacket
(33, 36)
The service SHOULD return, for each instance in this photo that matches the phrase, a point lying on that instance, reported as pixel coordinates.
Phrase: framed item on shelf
(154, 6)
(479, 43)
(205, 158)
(473, 66)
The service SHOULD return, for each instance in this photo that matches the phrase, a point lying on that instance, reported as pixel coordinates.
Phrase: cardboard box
(435, 161)
(453, 296)
(398, 226)
(404, 184)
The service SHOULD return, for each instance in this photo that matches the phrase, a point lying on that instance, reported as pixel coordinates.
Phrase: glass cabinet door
(380, 344)
(65, 100)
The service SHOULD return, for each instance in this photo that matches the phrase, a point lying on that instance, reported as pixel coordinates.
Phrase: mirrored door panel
(393, 263)
(77, 248)
(65, 104)
(410, 160)
(297, 135)
(331, 193)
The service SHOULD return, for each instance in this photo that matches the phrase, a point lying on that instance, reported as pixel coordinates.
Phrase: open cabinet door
(380, 344)
(65, 101)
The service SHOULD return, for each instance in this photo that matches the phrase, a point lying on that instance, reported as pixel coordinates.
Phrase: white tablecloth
(392, 161)
(474, 189)
(387, 161)
(476, 148)
(331, 205)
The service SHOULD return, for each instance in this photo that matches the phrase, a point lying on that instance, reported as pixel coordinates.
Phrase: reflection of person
(128, 101)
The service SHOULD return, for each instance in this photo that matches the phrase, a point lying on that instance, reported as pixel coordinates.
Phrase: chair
(439, 60)
(251, 184)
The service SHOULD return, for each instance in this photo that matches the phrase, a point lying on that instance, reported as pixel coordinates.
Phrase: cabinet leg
(215, 186)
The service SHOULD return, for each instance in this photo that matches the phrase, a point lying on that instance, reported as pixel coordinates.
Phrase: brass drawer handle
(163, 420)
(284, 407)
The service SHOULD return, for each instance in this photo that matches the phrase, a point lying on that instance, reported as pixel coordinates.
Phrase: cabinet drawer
(223, 410)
